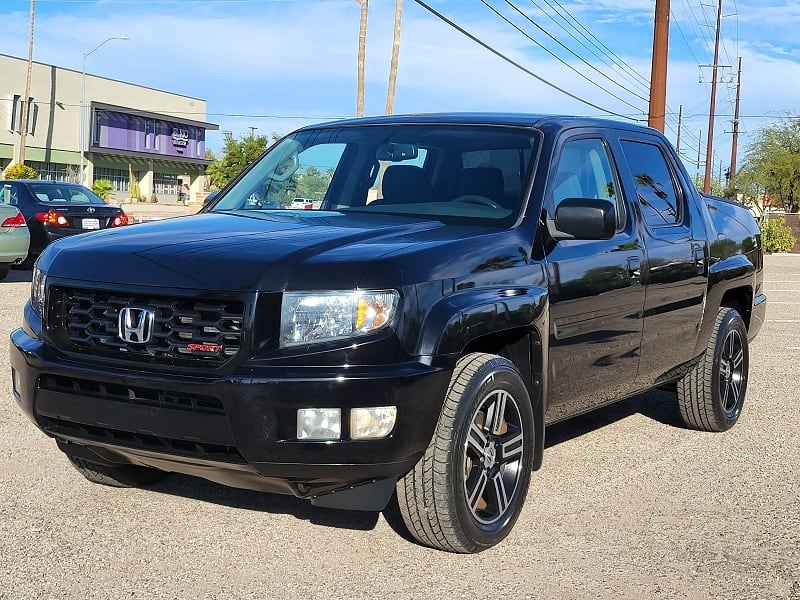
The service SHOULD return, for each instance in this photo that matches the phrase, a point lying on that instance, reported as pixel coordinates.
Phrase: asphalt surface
(628, 505)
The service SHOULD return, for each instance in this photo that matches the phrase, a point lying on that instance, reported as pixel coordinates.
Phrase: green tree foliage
(771, 170)
(777, 235)
(103, 188)
(18, 171)
(312, 184)
(237, 154)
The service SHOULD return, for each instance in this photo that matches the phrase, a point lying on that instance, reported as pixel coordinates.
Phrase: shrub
(18, 171)
(103, 188)
(777, 235)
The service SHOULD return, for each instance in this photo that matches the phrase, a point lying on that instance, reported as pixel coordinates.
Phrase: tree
(103, 188)
(771, 171)
(20, 171)
(238, 153)
(398, 12)
(362, 50)
(23, 131)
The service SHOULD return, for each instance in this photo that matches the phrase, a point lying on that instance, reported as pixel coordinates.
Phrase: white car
(302, 203)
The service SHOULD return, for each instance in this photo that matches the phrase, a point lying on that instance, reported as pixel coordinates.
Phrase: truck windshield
(452, 173)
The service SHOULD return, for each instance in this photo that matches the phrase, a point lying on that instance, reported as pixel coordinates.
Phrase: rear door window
(658, 196)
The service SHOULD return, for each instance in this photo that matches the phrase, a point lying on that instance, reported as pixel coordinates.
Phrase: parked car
(55, 209)
(466, 281)
(302, 204)
(14, 238)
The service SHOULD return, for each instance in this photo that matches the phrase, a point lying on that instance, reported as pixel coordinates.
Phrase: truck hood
(246, 252)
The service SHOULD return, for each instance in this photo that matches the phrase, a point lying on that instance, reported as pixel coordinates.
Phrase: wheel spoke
(511, 448)
(724, 388)
(497, 413)
(736, 391)
(730, 345)
(498, 490)
(476, 439)
(737, 359)
(476, 490)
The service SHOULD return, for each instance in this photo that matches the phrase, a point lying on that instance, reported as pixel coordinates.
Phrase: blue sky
(280, 64)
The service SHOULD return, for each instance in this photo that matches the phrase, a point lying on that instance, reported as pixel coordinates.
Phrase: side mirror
(583, 219)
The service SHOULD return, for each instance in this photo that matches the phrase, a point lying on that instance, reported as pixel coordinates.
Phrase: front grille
(185, 331)
(135, 416)
(126, 439)
(115, 392)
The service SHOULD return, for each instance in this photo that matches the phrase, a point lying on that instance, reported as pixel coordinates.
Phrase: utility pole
(658, 73)
(697, 170)
(398, 12)
(362, 50)
(252, 130)
(680, 124)
(734, 147)
(23, 131)
(712, 106)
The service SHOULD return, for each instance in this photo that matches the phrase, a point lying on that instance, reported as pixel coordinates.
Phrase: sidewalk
(140, 212)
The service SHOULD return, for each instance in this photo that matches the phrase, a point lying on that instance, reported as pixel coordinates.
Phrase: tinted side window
(584, 171)
(655, 187)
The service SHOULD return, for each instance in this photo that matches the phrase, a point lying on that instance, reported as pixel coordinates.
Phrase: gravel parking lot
(628, 504)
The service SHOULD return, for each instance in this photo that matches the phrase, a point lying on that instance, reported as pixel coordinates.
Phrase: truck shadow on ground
(658, 405)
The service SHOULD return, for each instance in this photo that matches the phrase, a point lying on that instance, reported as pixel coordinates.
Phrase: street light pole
(82, 119)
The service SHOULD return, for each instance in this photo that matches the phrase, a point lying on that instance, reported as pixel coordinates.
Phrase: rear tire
(119, 476)
(711, 394)
(4, 268)
(466, 492)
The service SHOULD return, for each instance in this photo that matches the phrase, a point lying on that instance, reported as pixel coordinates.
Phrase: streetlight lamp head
(123, 37)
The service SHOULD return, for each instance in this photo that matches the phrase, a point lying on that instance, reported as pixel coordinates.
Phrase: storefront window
(120, 180)
(165, 185)
(55, 171)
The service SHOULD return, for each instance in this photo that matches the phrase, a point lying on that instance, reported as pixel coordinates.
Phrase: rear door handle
(699, 259)
(634, 267)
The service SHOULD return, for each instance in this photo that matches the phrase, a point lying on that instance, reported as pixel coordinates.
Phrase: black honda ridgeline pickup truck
(462, 281)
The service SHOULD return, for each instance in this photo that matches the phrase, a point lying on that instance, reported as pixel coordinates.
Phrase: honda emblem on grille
(136, 324)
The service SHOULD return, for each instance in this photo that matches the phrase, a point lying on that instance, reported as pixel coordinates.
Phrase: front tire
(116, 476)
(467, 491)
(711, 394)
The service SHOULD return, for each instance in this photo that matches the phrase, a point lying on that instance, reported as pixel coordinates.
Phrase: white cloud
(299, 58)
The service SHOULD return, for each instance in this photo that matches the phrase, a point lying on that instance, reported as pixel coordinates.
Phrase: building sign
(180, 137)
(122, 131)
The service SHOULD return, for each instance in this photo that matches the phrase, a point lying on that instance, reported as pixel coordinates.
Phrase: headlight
(323, 316)
(37, 290)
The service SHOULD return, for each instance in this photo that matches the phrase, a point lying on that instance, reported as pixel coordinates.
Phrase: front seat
(403, 184)
(483, 181)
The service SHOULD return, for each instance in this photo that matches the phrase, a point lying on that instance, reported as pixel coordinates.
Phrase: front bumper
(236, 429)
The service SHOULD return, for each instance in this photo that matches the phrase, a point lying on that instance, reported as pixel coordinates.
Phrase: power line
(594, 40)
(583, 60)
(495, 11)
(517, 65)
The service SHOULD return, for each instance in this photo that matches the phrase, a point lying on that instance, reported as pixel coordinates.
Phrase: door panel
(596, 299)
(674, 272)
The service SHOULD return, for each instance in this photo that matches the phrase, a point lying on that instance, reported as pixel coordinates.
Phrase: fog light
(319, 423)
(372, 422)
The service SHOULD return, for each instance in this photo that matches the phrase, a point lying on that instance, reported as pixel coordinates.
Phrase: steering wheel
(476, 199)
